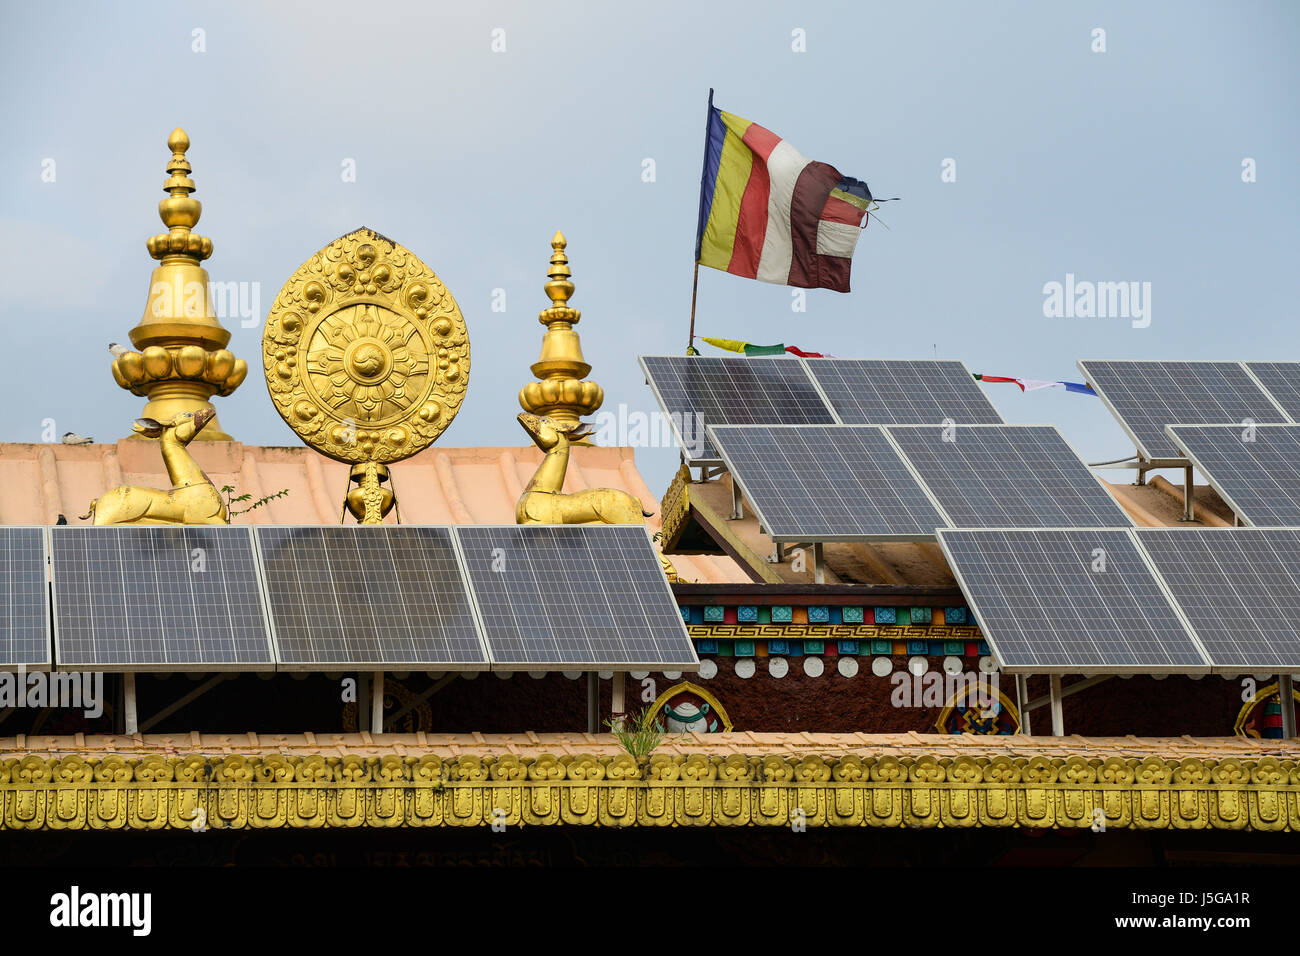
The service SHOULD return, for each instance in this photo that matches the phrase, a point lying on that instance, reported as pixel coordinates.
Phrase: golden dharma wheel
(366, 352)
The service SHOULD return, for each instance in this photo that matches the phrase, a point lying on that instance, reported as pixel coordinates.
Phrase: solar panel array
(1147, 396)
(863, 489)
(24, 599)
(351, 596)
(1282, 381)
(697, 391)
(902, 392)
(157, 598)
(1007, 476)
(1255, 469)
(592, 597)
(1070, 601)
(1239, 587)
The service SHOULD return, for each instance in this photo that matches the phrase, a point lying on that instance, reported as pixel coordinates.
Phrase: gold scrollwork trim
(696, 789)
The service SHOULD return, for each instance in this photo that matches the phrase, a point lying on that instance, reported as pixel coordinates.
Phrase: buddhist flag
(768, 213)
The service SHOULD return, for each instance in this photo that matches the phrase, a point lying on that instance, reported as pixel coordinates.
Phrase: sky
(1119, 165)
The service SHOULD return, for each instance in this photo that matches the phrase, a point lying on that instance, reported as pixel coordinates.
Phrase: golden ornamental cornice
(675, 508)
(266, 791)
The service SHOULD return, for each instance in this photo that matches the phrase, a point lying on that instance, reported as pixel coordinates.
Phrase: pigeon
(63, 519)
(72, 438)
(117, 350)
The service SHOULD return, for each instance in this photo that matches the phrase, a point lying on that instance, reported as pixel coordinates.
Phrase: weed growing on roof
(638, 735)
(232, 499)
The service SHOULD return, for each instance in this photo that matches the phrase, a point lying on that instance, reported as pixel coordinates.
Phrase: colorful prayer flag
(1033, 384)
(768, 213)
(735, 345)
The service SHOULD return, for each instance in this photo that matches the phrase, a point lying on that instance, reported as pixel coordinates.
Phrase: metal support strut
(1058, 715)
(593, 702)
(1286, 695)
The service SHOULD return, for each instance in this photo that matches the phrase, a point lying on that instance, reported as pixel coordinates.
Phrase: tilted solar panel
(1254, 468)
(24, 599)
(1282, 381)
(1070, 601)
(695, 391)
(589, 597)
(902, 392)
(385, 597)
(1007, 476)
(1147, 396)
(1239, 587)
(157, 598)
(826, 483)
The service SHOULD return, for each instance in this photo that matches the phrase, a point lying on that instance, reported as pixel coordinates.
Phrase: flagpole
(699, 234)
(695, 287)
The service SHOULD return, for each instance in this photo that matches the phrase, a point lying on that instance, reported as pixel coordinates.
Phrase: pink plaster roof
(437, 486)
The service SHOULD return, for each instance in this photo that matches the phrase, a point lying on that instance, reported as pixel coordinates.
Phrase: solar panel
(1282, 381)
(902, 392)
(580, 597)
(157, 599)
(24, 599)
(695, 391)
(1007, 476)
(1255, 469)
(1239, 587)
(1147, 396)
(826, 482)
(1070, 601)
(356, 596)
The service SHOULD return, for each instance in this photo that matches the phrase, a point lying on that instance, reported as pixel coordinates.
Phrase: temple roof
(438, 486)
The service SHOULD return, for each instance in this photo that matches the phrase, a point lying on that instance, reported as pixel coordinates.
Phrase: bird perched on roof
(117, 350)
(72, 438)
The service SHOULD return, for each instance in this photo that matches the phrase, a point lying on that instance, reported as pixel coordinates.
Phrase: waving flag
(768, 213)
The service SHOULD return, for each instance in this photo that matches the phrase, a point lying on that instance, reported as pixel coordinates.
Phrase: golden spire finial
(561, 394)
(182, 359)
(560, 288)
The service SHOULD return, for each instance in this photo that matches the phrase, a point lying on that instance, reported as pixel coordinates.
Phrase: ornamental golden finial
(561, 394)
(182, 359)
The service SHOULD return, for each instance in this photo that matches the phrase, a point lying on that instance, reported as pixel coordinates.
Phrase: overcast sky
(1123, 165)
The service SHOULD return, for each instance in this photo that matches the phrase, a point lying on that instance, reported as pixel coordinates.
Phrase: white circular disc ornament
(813, 666)
(744, 668)
(778, 667)
(847, 666)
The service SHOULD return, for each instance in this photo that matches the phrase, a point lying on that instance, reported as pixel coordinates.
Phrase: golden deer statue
(543, 502)
(193, 499)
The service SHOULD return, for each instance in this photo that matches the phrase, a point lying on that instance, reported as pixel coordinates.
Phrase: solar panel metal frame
(812, 364)
(1216, 483)
(173, 667)
(717, 460)
(1272, 391)
(1120, 513)
(1236, 667)
(847, 537)
(519, 666)
(49, 658)
(1143, 451)
(1087, 669)
(319, 667)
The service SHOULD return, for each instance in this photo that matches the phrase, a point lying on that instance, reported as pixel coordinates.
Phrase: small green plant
(638, 735)
(232, 499)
